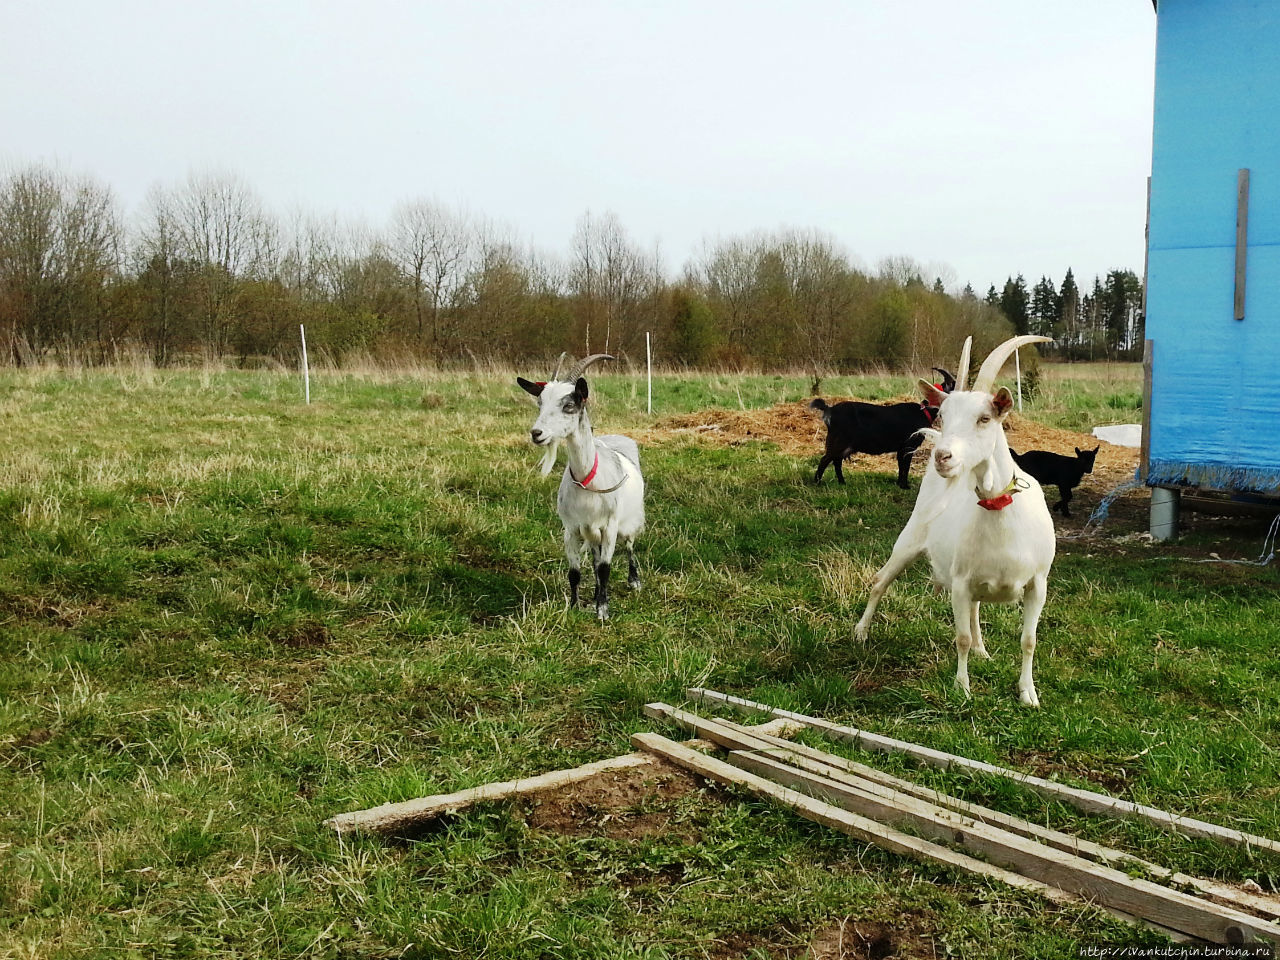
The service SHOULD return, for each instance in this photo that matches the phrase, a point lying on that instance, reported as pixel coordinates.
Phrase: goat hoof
(1029, 698)
(602, 613)
(980, 653)
(635, 585)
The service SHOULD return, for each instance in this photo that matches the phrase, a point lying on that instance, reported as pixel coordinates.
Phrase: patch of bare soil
(850, 940)
(303, 636)
(620, 804)
(800, 432)
(1110, 775)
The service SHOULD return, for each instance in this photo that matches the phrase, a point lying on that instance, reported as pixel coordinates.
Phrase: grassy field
(225, 616)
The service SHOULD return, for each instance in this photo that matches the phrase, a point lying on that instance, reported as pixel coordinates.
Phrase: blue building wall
(1215, 400)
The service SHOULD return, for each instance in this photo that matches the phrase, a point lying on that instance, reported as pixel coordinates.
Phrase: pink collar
(589, 477)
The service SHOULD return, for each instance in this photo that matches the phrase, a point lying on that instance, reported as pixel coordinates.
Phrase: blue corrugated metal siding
(1215, 380)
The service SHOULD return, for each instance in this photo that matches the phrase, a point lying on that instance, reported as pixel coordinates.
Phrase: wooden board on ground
(863, 828)
(1087, 800)
(888, 803)
(392, 817)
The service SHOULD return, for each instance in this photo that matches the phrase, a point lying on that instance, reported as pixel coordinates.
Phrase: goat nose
(536, 434)
(942, 456)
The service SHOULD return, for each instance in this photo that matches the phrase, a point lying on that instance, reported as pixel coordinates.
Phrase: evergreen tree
(1069, 309)
(1014, 303)
(1044, 308)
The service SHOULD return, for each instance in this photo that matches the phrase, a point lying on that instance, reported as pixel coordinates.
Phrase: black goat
(1053, 468)
(856, 427)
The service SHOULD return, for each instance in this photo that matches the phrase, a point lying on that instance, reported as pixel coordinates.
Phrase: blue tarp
(1215, 379)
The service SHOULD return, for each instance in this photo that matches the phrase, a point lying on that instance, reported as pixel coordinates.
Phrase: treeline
(205, 271)
(1107, 322)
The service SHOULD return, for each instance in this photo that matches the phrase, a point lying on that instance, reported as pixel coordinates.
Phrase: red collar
(588, 478)
(996, 503)
(929, 412)
(1005, 497)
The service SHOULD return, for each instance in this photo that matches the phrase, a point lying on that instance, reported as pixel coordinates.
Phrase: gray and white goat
(601, 498)
(981, 520)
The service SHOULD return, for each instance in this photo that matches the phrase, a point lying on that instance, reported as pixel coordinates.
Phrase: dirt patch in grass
(853, 940)
(909, 939)
(799, 432)
(13, 752)
(1111, 776)
(305, 635)
(620, 804)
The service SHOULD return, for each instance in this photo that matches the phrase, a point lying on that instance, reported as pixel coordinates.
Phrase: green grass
(225, 616)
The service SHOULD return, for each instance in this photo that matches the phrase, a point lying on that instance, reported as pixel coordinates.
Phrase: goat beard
(549, 457)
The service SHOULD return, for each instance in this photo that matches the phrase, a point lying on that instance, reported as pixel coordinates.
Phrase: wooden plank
(395, 816)
(1242, 237)
(1142, 898)
(1148, 367)
(1146, 252)
(1266, 906)
(862, 828)
(858, 775)
(1087, 800)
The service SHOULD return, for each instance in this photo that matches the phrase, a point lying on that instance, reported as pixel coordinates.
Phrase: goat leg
(602, 590)
(633, 570)
(1065, 502)
(603, 556)
(822, 467)
(573, 551)
(979, 649)
(904, 552)
(962, 606)
(1032, 604)
(904, 466)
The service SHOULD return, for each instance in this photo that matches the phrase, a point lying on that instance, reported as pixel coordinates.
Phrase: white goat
(601, 498)
(982, 521)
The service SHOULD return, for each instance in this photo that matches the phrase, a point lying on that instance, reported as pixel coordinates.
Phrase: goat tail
(549, 457)
(817, 403)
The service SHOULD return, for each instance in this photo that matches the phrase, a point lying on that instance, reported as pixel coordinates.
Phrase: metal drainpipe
(1164, 513)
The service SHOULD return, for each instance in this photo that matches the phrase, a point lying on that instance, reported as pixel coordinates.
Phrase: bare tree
(431, 245)
(610, 277)
(220, 225)
(60, 241)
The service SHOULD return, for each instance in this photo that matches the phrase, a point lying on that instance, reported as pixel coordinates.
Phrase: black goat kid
(1053, 468)
(856, 427)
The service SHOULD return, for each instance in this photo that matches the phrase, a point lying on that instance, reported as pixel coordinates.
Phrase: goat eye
(984, 419)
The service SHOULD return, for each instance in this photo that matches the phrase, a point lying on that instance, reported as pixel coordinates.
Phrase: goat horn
(990, 369)
(581, 366)
(556, 376)
(962, 376)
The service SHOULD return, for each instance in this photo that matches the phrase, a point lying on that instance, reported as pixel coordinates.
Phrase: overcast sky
(993, 136)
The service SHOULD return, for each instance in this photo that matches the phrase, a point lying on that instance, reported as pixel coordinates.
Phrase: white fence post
(648, 358)
(1017, 372)
(306, 370)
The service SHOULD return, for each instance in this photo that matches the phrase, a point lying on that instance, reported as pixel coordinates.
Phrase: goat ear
(1003, 401)
(932, 395)
(530, 387)
(580, 389)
